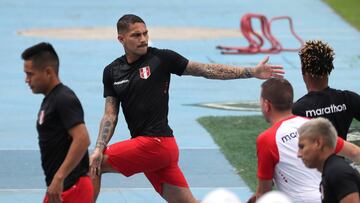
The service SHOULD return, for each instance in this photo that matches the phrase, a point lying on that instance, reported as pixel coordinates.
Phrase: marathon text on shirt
(327, 110)
(121, 82)
(289, 136)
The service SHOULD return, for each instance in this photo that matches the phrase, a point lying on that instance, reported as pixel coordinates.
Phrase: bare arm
(79, 145)
(263, 187)
(108, 122)
(106, 131)
(350, 151)
(225, 72)
(351, 198)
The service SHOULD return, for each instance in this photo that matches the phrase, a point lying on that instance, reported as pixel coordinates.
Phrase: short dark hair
(279, 92)
(42, 55)
(124, 22)
(316, 58)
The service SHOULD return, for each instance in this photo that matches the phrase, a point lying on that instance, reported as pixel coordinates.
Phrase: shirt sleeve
(175, 62)
(70, 110)
(107, 82)
(344, 182)
(354, 100)
(339, 144)
(268, 155)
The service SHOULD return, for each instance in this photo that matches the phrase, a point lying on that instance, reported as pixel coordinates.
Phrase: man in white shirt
(277, 148)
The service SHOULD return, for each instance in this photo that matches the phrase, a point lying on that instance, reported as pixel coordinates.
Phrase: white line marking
(116, 189)
(90, 150)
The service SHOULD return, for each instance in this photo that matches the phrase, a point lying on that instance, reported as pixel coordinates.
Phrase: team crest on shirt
(41, 117)
(145, 72)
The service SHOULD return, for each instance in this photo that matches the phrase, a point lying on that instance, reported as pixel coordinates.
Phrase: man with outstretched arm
(139, 82)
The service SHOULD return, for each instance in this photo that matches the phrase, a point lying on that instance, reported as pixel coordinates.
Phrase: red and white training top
(277, 149)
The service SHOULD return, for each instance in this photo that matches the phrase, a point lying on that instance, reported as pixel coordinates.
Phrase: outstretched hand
(265, 71)
(95, 163)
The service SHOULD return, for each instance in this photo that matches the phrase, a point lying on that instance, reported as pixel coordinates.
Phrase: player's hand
(265, 71)
(95, 163)
(54, 191)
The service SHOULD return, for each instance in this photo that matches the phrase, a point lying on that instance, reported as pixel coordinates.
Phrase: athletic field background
(236, 135)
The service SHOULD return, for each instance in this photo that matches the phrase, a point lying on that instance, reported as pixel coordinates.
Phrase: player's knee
(106, 167)
(175, 194)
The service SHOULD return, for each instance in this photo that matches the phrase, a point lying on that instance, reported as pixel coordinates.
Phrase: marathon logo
(121, 82)
(289, 137)
(327, 110)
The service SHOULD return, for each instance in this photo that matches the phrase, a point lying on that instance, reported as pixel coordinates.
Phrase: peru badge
(145, 72)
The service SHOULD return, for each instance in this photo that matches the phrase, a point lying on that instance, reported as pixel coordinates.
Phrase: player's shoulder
(267, 135)
(305, 102)
(350, 93)
(292, 121)
(295, 120)
(306, 98)
(344, 95)
(61, 90)
(266, 140)
(336, 166)
(338, 92)
(63, 95)
(161, 52)
(116, 62)
(66, 91)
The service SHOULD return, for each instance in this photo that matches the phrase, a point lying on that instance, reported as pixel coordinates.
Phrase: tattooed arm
(107, 127)
(108, 122)
(225, 72)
